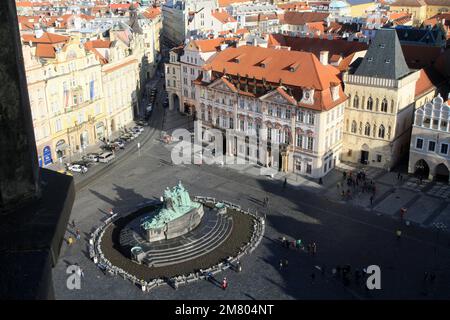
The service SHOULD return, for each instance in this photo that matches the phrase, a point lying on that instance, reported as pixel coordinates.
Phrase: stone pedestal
(177, 227)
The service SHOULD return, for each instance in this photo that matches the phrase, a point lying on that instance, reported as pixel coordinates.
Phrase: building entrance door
(364, 157)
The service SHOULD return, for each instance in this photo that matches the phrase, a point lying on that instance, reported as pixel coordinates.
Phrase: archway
(60, 148)
(84, 139)
(364, 154)
(441, 173)
(175, 102)
(421, 169)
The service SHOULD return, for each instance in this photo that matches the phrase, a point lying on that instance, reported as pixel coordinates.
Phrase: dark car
(107, 147)
(85, 163)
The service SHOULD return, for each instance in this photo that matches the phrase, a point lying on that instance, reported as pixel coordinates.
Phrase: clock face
(306, 95)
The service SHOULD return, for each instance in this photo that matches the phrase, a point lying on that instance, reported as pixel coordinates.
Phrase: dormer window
(387, 61)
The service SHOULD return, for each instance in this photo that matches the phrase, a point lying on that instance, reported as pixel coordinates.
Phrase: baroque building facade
(258, 95)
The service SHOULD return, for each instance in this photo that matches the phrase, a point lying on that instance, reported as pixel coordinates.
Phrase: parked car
(108, 147)
(91, 157)
(125, 137)
(120, 144)
(139, 128)
(106, 157)
(141, 123)
(77, 168)
(85, 163)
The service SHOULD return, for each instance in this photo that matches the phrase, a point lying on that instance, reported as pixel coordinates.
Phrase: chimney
(324, 57)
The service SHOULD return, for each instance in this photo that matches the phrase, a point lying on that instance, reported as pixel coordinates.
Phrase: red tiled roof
(97, 44)
(294, 69)
(45, 50)
(315, 45)
(226, 3)
(223, 16)
(428, 80)
(47, 37)
(301, 18)
(152, 13)
(210, 45)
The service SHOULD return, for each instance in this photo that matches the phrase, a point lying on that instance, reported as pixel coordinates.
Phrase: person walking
(111, 212)
(70, 240)
(399, 234)
(280, 264)
(286, 262)
(371, 200)
(284, 183)
(313, 277)
(73, 224)
(309, 248)
(402, 213)
(314, 248)
(78, 234)
(224, 283)
(298, 243)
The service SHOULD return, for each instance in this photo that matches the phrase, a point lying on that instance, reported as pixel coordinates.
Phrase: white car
(78, 168)
(106, 157)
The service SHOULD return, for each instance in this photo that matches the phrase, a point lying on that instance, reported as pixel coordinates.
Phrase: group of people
(71, 239)
(297, 244)
(356, 183)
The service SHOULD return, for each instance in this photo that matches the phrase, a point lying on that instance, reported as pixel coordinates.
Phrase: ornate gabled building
(382, 93)
(279, 96)
(429, 155)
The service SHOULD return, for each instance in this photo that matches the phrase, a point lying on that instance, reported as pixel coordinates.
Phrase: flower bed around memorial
(105, 251)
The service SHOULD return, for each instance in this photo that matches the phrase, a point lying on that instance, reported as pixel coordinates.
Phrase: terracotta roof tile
(47, 37)
(44, 50)
(296, 70)
(301, 18)
(223, 16)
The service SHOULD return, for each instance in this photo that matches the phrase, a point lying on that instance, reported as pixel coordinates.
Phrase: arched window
(367, 129)
(384, 105)
(381, 131)
(356, 102)
(354, 126)
(369, 103)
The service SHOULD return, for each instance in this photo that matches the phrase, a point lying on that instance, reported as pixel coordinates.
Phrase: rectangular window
(299, 140)
(444, 148)
(308, 168)
(300, 116)
(288, 113)
(310, 143)
(269, 134)
(431, 145)
(378, 157)
(231, 123)
(419, 143)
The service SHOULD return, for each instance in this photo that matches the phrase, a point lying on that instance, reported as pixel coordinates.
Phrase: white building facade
(429, 155)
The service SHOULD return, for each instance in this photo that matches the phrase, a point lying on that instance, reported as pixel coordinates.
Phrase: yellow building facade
(68, 106)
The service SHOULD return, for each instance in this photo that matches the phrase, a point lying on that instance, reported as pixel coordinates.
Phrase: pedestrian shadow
(215, 282)
(256, 201)
(249, 296)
